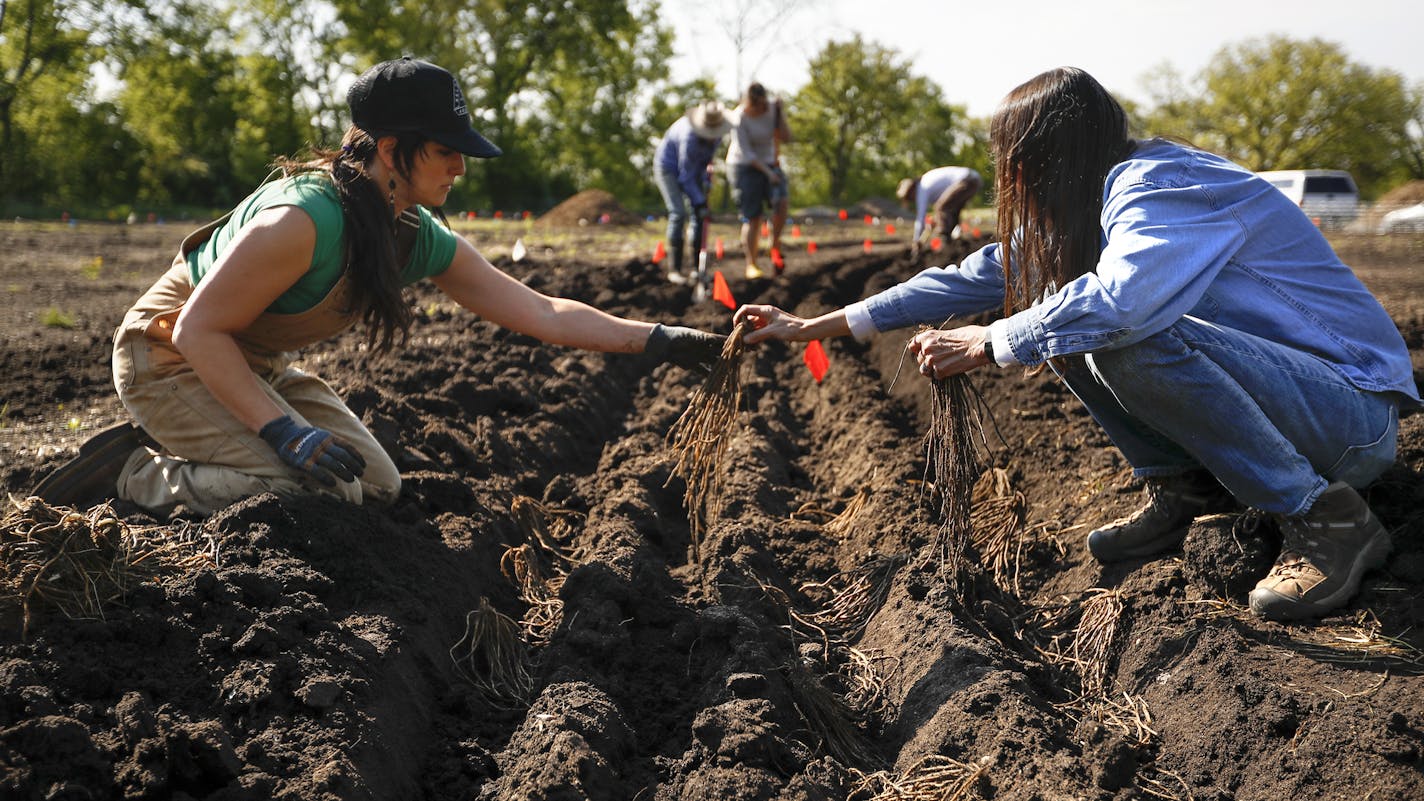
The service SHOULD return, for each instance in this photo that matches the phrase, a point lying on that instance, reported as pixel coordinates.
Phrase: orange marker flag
(936, 244)
(776, 260)
(844, 215)
(720, 250)
(976, 232)
(811, 246)
(890, 229)
(765, 230)
(795, 232)
(816, 360)
(867, 244)
(869, 220)
(722, 292)
(659, 253)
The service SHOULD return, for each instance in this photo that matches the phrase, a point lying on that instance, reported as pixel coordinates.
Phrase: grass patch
(54, 318)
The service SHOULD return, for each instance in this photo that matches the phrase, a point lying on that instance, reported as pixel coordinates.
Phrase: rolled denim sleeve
(1165, 245)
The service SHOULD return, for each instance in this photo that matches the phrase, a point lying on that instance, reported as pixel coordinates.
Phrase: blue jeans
(676, 201)
(1273, 424)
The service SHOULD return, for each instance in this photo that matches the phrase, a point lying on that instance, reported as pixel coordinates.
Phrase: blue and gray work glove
(685, 347)
(314, 451)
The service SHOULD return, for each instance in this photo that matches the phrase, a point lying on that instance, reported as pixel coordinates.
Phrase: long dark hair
(372, 258)
(1054, 138)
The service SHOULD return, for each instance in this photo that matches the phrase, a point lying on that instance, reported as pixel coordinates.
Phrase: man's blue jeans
(675, 199)
(1273, 424)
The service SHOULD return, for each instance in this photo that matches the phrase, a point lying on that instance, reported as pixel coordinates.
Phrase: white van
(1329, 197)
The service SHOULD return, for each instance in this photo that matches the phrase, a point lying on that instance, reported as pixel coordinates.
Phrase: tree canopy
(1279, 103)
(112, 105)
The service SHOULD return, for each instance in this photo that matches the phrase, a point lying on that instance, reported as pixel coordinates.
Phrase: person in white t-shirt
(943, 190)
(755, 171)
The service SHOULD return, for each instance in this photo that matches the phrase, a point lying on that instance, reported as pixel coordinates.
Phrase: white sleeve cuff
(858, 319)
(999, 339)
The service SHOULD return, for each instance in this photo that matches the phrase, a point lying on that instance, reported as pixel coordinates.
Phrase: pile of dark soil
(524, 622)
(589, 207)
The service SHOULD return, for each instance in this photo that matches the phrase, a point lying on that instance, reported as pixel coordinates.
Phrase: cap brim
(468, 142)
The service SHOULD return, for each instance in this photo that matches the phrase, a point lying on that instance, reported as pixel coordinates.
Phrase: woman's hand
(769, 322)
(943, 353)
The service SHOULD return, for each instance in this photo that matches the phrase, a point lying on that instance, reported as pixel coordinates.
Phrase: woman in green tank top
(202, 361)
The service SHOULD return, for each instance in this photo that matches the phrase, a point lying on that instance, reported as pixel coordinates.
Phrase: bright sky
(962, 47)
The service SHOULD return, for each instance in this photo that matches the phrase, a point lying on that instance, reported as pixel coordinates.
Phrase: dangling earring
(391, 198)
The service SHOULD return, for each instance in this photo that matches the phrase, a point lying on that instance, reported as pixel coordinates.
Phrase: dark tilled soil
(329, 654)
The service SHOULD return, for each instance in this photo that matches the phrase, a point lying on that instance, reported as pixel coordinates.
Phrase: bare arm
(477, 285)
(265, 260)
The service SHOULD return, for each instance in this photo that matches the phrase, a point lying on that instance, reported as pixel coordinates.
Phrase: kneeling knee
(381, 483)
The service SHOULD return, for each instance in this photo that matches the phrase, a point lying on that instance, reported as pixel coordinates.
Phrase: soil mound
(589, 207)
(1406, 195)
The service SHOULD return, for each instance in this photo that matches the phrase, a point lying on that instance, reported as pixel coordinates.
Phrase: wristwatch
(989, 348)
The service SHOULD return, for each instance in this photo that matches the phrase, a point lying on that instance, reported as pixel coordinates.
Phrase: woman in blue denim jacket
(1196, 312)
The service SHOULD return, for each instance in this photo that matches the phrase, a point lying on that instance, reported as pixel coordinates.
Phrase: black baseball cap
(412, 95)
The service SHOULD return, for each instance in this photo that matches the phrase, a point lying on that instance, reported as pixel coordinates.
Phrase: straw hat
(708, 120)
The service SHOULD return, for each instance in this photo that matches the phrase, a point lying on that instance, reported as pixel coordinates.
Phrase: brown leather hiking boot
(1323, 555)
(1172, 503)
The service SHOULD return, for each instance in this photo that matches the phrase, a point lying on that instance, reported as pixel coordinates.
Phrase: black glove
(685, 347)
(699, 212)
(314, 451)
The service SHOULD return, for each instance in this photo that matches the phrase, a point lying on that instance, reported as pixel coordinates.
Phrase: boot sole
(1272, 605)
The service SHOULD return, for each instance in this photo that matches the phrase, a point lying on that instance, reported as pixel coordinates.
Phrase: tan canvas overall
(209, 458)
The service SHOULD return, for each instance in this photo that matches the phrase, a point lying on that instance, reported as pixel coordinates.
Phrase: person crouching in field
(202, 361)
(1196, 312)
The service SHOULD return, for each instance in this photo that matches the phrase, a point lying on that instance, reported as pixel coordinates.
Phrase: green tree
(865, 121)
(591, 131)
(1409, 138)
(75, 151)
(520, 61)
(1280, 103)
(37, 37)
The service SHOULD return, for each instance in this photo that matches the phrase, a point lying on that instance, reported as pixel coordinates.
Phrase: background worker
(1196, 312)
(680, 168)
(202, 361)
(943, 191)
(758, 182)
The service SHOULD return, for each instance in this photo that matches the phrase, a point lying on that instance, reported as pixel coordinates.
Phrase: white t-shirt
(753, 138)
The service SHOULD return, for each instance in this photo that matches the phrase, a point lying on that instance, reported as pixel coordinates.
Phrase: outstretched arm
(769, 322)
(496, 296)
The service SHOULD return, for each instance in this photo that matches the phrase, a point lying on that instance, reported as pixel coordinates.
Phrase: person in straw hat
(943, 190)
(203, 361)
(680, 168)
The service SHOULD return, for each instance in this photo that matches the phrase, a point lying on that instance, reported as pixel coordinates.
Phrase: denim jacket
(684, 154)
(1185, 232)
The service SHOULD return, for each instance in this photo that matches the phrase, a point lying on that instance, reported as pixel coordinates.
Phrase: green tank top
(314, 193)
